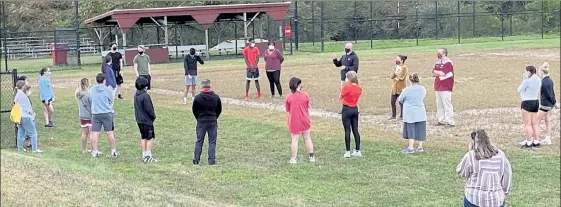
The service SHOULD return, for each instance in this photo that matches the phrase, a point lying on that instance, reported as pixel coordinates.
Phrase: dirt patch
(537, 54)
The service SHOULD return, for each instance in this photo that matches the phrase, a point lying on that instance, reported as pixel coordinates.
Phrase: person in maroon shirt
(273, 60)
(443, 73)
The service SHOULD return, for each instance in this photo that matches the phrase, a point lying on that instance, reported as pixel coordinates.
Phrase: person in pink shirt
(297, 105)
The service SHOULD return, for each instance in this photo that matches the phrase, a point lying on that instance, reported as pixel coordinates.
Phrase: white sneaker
(546, 141)
(293, 160)
(356, 153)
(96, 154)
(37, 151)
(312, 159)
(347, 154)
(184, 100)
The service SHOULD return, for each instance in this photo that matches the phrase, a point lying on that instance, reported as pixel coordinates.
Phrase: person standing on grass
(350, 95)
(348, 62)
(27, 142)
(142, 67)
(117, 65)
(415, 117)
(85, 111)
(398, 76)
(26, 128)
(443, 73)
(297, 104)
(251, 57)
(145, 117)
(273, 60)
(207, 107)
(190, 67)
(102, 109)
(110, 79)
(529, 90)
(46, 95)
(547, 102)
(488, 173)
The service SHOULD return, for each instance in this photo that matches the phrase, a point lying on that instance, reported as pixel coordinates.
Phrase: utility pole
(77, 28)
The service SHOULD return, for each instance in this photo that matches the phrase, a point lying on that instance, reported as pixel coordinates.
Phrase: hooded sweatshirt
(102, 97)
(84, 104)
(25, 105)
(143, 107)
(45, 89)
(207, 106)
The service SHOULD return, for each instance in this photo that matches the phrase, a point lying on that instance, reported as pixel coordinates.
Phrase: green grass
(252, 155)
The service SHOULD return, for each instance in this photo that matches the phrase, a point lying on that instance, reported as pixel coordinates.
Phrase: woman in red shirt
(350, 95)
(297, 105)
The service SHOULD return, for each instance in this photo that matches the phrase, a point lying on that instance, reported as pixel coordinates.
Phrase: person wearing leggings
(350, 95)
(273, 60)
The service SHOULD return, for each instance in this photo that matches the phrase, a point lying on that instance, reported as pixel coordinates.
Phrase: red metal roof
(204, 15)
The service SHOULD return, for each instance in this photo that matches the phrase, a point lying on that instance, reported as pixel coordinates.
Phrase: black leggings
(392, 102)
(274, 79)
(349, 116)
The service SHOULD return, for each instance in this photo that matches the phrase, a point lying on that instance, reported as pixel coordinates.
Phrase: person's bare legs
(419, 144)
(85, 135)
(143, 147)
(193, 89)
(294, 145)
(308, 141)
(51, 111)
(46, 113)
(411, 143)
(118, 90)
(149, 144)
(94, 140)
(548, 125)
(257, 87)
(535, 127)
(528, 130)
(111, 140)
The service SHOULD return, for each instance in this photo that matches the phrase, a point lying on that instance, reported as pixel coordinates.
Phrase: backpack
(15, 114)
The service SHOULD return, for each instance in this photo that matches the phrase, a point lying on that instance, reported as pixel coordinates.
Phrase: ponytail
(294, 83)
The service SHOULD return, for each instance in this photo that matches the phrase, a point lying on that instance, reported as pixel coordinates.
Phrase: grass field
(253, 142)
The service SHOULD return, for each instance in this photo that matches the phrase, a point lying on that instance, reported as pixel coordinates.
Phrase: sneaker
(440, 124)
(96, 154)
(51, 123)
(272, 96)
(48, 126)
(391, 118)
(114, 154)
(37, 151)
(546, 141)
(184, 100)
(536, 143)
(281, 97)
(293, 160)
(450, 125)
(195, 163)
(149, 159)
(356, 153)
(312, 159)
(408, 151)
(525, 143)
(245, 97)
(347, 154)
(259, 96)
(119, 96)
(420, 149)
(193, 98)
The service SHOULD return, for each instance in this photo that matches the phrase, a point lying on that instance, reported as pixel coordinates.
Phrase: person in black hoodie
(207, 107)
(190, 67)
(348, 62)
(145, 116)
(547, 102)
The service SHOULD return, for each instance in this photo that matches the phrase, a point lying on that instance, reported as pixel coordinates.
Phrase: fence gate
(66, 47)
(7, 128)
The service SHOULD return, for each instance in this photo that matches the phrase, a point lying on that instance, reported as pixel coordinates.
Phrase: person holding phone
(487, 171)
(529, 90)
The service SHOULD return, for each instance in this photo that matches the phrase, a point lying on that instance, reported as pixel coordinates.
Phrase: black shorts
(118, 77)
(530, 106)
(546, 108)
(149, 78)
(50, 100)
(252, 74)
(146, 131)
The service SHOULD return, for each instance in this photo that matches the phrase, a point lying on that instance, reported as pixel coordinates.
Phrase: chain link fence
(7, 128)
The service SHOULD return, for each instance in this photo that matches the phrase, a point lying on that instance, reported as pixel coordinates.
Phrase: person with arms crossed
(102, 109)
(190, 67)
(84, 111)
(273, 60)
(145, 117)
(117, 66)
(297, 104)
(26, 127)
(348, 62)
(207, 107)
(547, 102)
(443, 73)
(142, 67)
(251, 57)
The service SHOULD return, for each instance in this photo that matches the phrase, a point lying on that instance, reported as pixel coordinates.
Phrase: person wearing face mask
(190, 67)
(273, 60)
(251, 57)
(443, 73)
(398, 76)
(145, 117)
(46, 95)
(142, 66)
(26, 128)
(117, 65)
(27, 142)
(348, 62)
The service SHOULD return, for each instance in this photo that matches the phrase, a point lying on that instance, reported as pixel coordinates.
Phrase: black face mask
(114, 48)
(140, 52)
(347, 50)
(192, 52)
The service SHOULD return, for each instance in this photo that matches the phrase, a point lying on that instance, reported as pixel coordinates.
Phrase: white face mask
(271, 47)
(252, 44)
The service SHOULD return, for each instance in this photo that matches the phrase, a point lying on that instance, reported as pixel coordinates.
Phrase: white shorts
(191, 81)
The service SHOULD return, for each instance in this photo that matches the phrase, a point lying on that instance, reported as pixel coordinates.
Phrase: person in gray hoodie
(85, 111)
(26, 128)
(102, 115)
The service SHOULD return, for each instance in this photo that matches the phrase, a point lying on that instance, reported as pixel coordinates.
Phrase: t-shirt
(115, 60)
(251, 53)
(142, 61)
(350, 94)
(297, 105)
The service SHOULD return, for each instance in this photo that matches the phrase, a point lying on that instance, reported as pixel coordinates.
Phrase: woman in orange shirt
(350, 95)
(398, 76)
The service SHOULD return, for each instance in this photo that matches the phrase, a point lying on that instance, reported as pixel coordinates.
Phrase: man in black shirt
(117, 65)
(207, 107)
(348, 62)
(190, 67)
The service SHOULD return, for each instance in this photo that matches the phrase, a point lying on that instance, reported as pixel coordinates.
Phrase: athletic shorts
(546, 108)
(118, 77)
(191, 81)
(146, 131)
(85, 123)
(531, 106)
(50, 101)
(149, 78)
(252, 74)
(105, 120)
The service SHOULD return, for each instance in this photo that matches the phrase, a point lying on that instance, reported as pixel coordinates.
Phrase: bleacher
(40, 47)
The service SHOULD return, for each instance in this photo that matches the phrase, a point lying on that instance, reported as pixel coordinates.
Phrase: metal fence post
(436, 19)
(459, 29)
(77, 28)
(296, 39)
(473, 17)
(355, 25)
(313, 25)
(542, 18)
(417, 22)
(4, 38)
(502, 27)
(321, 24)
(371, 26)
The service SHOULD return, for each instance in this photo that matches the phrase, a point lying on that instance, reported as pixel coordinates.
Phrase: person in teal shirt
(46, 95)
